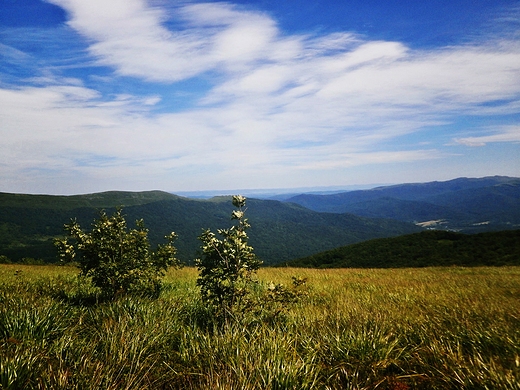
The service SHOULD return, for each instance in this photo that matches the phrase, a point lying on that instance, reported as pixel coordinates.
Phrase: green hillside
(97, 200)
(280, 231)
(424, 249)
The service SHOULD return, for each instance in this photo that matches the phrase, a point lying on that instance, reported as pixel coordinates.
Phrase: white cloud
(279, 105)
(131, 36)
(11, 54)
(506, 134)
(343, 160)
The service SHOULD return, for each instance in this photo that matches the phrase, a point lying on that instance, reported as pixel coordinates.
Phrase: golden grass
(428, 328)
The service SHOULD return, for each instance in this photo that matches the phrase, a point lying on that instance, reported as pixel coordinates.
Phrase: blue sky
(187, 95)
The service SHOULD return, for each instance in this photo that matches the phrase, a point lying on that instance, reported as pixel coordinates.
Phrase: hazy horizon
(266, 193)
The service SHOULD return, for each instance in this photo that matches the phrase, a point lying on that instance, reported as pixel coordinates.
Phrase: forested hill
(97, 200)
(424, 249)
(279, 232)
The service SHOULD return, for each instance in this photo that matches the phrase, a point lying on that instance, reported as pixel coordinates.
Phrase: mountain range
(464, 204)
(279, 232)
(297, 227)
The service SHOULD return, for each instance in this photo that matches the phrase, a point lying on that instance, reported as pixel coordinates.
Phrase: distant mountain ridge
(463, 204)
(98, 200)
(280, 231)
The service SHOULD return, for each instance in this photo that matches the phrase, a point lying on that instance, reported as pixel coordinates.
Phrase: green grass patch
(427, 328)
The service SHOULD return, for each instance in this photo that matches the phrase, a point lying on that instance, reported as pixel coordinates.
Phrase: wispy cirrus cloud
(131, 37)
(504, 134)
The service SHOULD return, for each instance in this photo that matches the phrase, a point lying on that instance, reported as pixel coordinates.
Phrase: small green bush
(227, 264)
(5, 260)
(116, 259)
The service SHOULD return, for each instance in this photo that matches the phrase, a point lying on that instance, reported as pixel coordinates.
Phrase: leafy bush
(117, 260)
(272, 302)
(5, 260)
(227, 265)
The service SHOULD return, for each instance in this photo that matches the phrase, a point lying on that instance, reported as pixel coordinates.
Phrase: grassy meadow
(426, 328)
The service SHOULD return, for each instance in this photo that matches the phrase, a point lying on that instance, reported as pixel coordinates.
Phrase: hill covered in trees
(424, 249)
(279, 232)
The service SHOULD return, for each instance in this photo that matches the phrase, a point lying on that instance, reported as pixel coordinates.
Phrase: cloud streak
(506, 134)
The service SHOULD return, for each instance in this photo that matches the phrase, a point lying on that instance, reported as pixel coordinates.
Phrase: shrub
(5, 260)
(227, 264)
(115, 259)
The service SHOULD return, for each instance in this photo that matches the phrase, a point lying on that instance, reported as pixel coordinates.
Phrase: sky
(170, 95)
